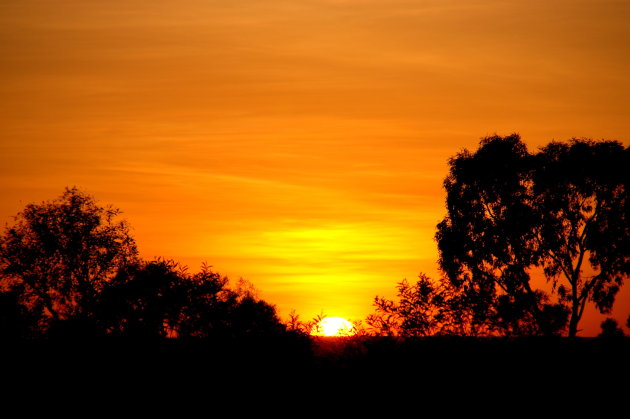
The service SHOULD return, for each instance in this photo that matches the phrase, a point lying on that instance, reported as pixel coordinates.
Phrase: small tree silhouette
(426, 308)
(611, 329)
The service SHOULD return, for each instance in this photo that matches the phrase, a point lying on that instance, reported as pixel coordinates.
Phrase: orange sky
(300, 144)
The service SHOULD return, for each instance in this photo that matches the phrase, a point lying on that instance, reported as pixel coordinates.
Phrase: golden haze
(301, 145)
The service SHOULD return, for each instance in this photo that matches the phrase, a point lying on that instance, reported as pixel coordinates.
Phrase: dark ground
(321, 355)
(452, 374)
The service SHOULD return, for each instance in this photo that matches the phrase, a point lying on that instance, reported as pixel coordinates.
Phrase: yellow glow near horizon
(334, 326)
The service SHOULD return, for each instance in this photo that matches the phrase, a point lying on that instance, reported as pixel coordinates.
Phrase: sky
(298, 144)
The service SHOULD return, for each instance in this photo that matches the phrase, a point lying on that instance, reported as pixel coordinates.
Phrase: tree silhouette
(611, 329)
(143, 301)
(69, 269)
(437, 308)
(580, 192)
(160, 299)
(59, 255)
(16, 322)
(509, 211)
(422, 309)
(305, 327)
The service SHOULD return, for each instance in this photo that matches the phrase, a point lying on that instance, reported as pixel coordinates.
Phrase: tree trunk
(575, 319)
(572, 326)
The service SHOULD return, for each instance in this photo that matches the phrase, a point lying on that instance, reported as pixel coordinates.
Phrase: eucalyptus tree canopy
(562, 210)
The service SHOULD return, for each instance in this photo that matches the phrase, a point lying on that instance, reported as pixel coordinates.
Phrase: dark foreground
(373, 369)
(319, 355)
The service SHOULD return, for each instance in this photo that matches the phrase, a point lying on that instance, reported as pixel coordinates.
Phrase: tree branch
(551, 254)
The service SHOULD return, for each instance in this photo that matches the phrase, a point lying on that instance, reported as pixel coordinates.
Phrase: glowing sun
(333, 326)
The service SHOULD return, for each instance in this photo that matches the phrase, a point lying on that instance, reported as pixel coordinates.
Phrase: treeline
(70, 268)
